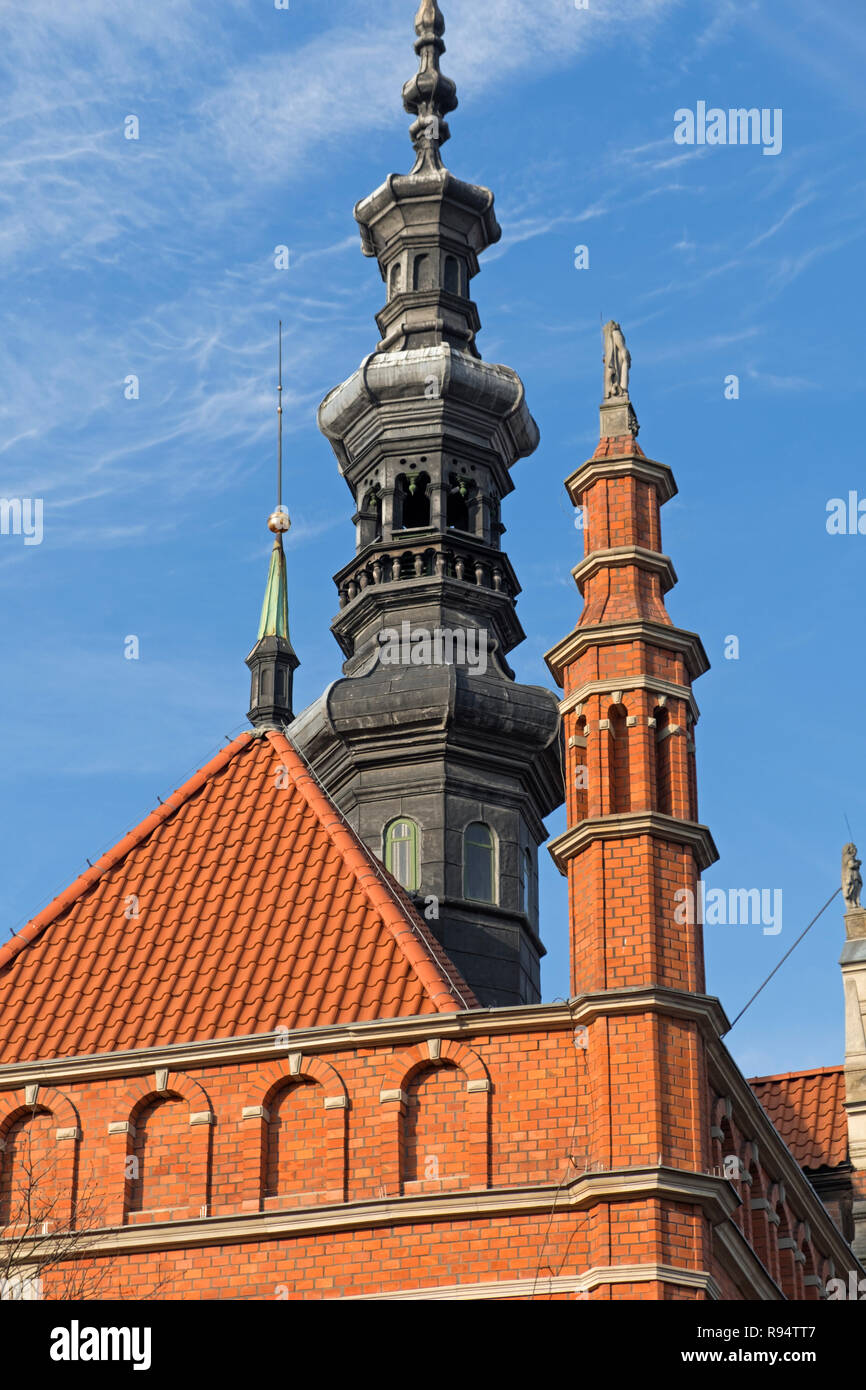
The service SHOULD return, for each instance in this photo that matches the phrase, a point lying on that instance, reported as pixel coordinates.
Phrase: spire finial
(429, 95)
(272, 661)
(279, 520)
(275, 610)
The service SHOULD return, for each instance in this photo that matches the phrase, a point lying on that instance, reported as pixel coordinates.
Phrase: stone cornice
(628, 465)
(650, 561)
(397, 1033)
(653, 683)
(728, 1080)
(704, 1009)
(258, 1047)
(628, 824)
(715, 1196)
(545, 1285)
(674, 639)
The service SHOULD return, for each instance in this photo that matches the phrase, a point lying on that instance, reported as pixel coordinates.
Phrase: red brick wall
(29, 1188)
(554, 1113)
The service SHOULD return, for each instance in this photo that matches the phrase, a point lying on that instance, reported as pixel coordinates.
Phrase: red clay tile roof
(258, 908)
(806, 1108)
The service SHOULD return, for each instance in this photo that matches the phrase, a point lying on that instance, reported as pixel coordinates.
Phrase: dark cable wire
(782, 961)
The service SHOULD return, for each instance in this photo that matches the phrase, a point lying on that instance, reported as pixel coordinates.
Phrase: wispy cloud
(782, 383)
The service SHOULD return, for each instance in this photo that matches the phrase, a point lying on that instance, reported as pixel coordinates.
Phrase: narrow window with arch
(527, 881)
(457, 505)
(415, 496)
(664, 762)
(617, 760)
(422, 273)
(479, 863)
(402, 853)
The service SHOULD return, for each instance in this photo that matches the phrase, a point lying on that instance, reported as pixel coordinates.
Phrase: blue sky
(154, 257)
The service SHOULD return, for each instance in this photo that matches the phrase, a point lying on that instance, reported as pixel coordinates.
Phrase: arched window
(402, 856)
(617, 757)
(452, 275)
(479, 863)
(422, 273)
(414, 498)
(664, 768)
(396, 278)
(526, 875)
(458, 504)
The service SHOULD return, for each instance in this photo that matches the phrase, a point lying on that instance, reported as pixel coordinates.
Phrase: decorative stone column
(853, 963)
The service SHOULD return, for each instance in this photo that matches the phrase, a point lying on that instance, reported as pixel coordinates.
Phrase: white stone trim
(202, 1117)
(255, 1047)
(397, 1094)
(713, 1195)
(667, 731)
(625, 824)
(336, 1102)
(650, 561)
(122, 1127)
(634, 465)
(542, 1286)
(255, 1112)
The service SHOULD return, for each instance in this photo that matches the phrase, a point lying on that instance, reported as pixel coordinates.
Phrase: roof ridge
(38, 924)
(443, 992)
(791, 1075)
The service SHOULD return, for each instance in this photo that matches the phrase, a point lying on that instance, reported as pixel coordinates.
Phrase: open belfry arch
(289, 1027)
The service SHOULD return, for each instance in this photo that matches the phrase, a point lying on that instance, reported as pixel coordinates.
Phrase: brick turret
(634, 849)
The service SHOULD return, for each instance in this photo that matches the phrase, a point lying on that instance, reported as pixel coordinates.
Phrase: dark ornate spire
(429, 95)
(426, 434)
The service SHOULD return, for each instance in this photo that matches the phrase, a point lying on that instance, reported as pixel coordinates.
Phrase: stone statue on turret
(852, 882)
(617, 361)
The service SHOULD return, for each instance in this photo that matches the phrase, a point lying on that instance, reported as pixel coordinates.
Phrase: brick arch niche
(435, 1120)
(293, 1137)
(39, 1136)
(161, 1151)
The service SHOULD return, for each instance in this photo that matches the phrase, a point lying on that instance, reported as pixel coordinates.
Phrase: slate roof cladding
(807, 1108)
(242, 905)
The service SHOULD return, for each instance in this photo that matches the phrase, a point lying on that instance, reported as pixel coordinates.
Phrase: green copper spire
(274, 621)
